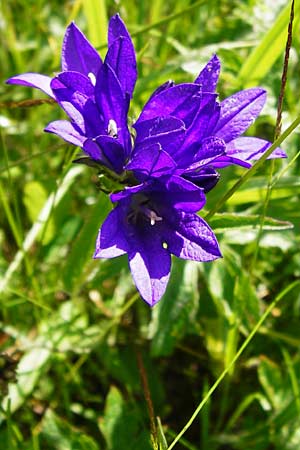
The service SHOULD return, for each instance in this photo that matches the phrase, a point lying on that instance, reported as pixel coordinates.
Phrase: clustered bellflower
(95, 94)
(183, 137)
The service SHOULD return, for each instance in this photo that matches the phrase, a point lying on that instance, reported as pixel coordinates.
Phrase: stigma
(153, 217)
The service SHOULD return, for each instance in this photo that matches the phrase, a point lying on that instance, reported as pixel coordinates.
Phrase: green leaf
(83, 247)
(255, 190)
(95, 11)
(44, 216)
(236, 303)
(273, 382)
(58, 434)
(174, 316)
(227, 221)
(272, 46)
(247, 305)
(35, 196)
(162, 441)
(121, 364)
(122, 424)
(64, 330)
(30, 369)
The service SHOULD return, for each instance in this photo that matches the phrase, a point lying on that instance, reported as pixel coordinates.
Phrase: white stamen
(112, 128)
(92, 78)
(153, 217)
(165, 245)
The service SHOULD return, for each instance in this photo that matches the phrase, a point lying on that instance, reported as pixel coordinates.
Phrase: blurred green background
(75, 337)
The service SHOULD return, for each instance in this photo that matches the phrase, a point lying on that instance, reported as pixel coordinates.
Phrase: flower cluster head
(183, 137)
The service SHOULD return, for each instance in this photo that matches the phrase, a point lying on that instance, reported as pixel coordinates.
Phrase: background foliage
(81, 353)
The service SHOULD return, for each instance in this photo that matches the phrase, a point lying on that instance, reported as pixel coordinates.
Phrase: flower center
(142, 211)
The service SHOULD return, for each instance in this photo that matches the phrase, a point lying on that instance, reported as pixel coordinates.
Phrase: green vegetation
(85, 364)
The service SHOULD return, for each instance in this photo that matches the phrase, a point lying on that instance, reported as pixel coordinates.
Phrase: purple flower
(150, 222)
(183, 136)
(94, 94)
(200, 134)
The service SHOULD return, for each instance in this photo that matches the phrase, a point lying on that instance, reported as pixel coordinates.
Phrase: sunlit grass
(75, 328)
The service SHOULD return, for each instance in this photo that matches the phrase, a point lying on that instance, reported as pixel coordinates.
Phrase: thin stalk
(284, 72)
(147, 395)
(277, 131)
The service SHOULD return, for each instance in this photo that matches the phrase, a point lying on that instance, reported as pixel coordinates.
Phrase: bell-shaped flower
(95, 94)
(150, 222)
(212, 137)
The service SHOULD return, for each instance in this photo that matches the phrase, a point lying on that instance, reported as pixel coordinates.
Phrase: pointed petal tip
(97, 254)
(71, 25)
(78, 53)
(217, 254)
(154, 293)
(152, 300)
(116, 18)
(215, 61)
(116, 29)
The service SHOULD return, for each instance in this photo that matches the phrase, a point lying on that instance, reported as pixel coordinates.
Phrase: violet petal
(35, 80)
(111, 241)
(95, 152)
(211, 148)
(181, 101)
(206, 178)
(208, 77)
(150, 266)
(78, 54)
(151, 160)
(163, 87)
(79, 107)
(169, 132)
(238, 112)
(116, 29)
(127, 192)
(113, 151)
(202, 126)
(112, 104)
(178, 193)
(251, 148)
(192, 238)
(225, 160)
(67, 131)
(157, 125)
(121, 58)
(76, 81)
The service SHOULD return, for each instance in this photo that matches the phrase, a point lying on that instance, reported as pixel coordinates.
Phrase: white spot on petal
(112, 128)
(92, 78)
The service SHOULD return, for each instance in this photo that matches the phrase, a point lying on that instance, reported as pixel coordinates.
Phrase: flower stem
(284, 72)
(148, 399)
